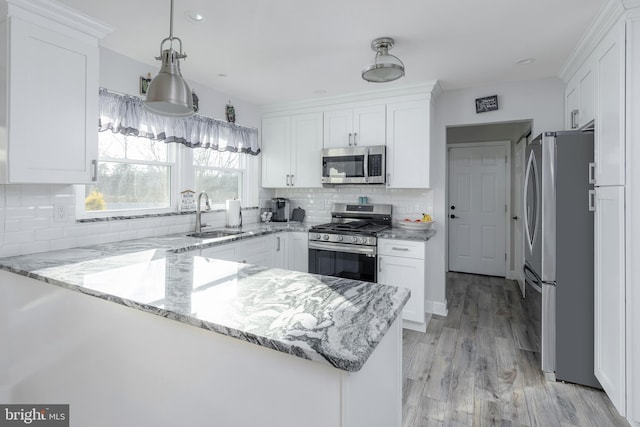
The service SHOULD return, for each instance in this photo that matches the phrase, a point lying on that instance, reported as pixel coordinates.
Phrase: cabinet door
(408, 273)
(306, 147)
(224, 252)
(299, 252)
(338, 128)
(587, 86)
(281, 250)
(53, 106)
(369, 125)
(408, 145)
(257, 250)
(572, 104)
(610, 293)
(276, 151)
(609, 129)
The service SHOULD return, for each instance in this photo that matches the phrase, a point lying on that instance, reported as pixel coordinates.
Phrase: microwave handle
(366, 165)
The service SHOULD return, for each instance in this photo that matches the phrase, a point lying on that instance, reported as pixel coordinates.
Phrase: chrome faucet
(199, 212)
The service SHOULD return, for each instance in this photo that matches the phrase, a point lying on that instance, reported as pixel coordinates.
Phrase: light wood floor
(478, 367)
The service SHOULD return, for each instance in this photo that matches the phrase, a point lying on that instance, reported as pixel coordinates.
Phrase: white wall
(539, 100)
(26, 211)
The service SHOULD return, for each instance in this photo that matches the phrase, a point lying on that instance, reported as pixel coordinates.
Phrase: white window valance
(126, 114)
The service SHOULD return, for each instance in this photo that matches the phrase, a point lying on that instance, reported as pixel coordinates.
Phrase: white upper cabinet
(359, 126)
(610, 117)
(408, 146)
(50, 105)
(580, 97)
(291, 151)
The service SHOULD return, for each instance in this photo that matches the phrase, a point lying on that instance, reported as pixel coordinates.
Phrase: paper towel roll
(233, 216)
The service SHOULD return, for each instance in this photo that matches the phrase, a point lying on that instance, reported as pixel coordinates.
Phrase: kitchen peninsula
(143, 332)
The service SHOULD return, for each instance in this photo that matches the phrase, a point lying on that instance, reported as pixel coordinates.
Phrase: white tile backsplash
(27, 225)
(317, 202)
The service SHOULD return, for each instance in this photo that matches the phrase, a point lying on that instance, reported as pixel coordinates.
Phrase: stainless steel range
(347, 246)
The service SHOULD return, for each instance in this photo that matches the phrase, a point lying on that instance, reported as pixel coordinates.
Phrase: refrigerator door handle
(532, 278)
(592, 173)
(592, 200)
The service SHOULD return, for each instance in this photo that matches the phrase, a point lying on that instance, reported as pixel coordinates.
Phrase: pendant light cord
(171, 22)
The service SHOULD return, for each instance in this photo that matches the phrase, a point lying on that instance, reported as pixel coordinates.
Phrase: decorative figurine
(231, 113)
(196, 107)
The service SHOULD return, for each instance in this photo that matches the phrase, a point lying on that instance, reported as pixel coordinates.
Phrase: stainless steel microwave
(354, 165)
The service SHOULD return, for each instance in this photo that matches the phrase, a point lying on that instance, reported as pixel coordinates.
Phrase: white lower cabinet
(286, 250)
(280, 250)
(610, 340)
(257, 250)
(298, 251)
(402, 263)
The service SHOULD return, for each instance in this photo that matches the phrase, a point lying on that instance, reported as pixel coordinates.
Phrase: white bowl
(413, 225)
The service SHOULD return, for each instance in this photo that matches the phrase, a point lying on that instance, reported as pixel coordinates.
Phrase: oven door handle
(337, 247)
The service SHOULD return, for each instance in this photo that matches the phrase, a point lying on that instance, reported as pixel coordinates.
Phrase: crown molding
(430, 89)
(62, 14)
(609, 15)
(631, 4)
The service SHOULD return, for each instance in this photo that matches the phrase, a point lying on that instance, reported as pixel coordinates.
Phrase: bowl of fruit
(420, 224)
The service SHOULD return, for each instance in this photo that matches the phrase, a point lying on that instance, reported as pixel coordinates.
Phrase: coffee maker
(280, 209)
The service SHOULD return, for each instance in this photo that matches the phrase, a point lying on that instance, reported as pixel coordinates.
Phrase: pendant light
(168, 93)
(385, 67)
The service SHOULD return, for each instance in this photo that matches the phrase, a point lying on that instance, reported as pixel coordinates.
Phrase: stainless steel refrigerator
(558, 269)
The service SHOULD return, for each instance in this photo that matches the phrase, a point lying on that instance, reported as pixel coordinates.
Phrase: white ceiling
(287, 50)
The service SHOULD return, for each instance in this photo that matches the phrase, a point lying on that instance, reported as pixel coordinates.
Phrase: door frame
(507, 200)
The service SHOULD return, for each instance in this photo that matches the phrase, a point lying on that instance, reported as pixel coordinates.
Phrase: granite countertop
(330, 320)
(404, 234)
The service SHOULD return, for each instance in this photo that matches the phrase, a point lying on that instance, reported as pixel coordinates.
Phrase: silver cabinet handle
(288, 180)
(400, 249)
(379, 264)
(592, 173)
(592, 200)
(278, 246)
(94, 170)
(355, 138)
(293, 180)
(350, 139)
(388, 179)
(574, 119)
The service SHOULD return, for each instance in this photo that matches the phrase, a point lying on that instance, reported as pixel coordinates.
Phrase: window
(220, 174)
(134, 174)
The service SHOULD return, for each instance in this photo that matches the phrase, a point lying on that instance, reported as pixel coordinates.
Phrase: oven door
(348, 261)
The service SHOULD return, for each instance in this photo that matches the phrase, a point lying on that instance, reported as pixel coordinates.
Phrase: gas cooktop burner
(361, 228)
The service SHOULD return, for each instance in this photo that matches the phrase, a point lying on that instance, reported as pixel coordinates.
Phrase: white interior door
(477, 209)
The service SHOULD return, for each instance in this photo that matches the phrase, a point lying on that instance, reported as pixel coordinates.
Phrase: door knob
(452, 216)
(516, 217)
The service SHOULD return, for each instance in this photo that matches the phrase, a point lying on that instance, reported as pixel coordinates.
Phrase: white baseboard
(414, 326)
(436, 307)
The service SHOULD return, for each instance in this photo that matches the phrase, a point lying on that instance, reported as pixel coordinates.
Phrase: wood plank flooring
(479, 367)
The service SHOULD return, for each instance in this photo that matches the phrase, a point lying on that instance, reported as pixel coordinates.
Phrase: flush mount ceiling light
(168, 93)
(385, 67)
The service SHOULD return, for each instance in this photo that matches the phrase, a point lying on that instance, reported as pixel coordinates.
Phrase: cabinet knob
(452, 216)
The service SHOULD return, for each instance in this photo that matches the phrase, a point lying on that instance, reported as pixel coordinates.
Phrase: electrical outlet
(59, 213)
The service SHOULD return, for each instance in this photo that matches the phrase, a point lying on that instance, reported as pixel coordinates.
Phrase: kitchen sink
(215, 234)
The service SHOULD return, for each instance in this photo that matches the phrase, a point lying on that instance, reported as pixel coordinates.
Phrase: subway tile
(64, 243)
(50, 233)
(19, 236)
(20, 212)
(34, 247)
(34, 223)
(9, 249)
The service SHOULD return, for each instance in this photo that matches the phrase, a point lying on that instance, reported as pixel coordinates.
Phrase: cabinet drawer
(401, 248)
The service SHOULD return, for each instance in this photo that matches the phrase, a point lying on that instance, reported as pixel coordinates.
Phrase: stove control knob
(354, 239)
(325, 237)
(318, 236)
(339, 238)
